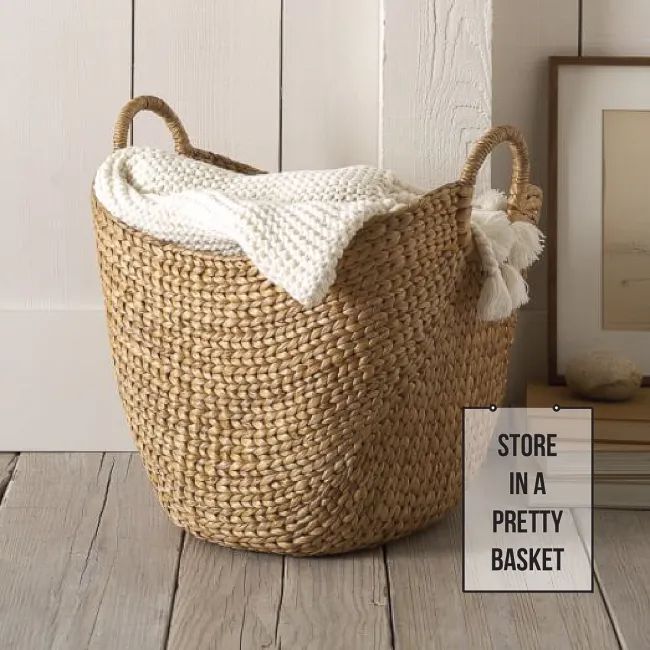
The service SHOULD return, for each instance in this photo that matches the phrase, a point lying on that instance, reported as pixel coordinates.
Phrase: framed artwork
(599, 209)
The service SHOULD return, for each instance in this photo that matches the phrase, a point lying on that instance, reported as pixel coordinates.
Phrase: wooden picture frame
(556, 63)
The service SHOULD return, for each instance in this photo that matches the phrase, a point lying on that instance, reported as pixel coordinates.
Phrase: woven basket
(265, 425)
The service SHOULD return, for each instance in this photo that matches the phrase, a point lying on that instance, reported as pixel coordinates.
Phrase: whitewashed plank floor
(88, 560)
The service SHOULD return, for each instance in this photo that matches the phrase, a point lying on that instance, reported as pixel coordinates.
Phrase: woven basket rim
(175, 247)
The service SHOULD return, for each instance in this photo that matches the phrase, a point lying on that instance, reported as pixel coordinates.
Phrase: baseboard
(57, 389)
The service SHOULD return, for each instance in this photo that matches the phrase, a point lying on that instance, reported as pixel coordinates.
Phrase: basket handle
(159, 107)
(520, 164)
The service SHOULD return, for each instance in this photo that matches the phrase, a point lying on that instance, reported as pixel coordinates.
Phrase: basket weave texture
(269, 426)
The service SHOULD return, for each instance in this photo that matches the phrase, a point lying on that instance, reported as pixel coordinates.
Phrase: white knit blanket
(294, 226)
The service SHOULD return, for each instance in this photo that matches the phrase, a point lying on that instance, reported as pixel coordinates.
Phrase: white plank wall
(218, 65)
(64, 66)
(408, 86)
(64, 69)
(330, 83)
(616, 28)
(436, 87)
(525, 34)
(59, 393)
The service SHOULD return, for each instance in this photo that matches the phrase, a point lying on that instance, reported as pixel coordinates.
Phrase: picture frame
(599, 115)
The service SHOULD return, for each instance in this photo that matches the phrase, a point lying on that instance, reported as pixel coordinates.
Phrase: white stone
(603, 375)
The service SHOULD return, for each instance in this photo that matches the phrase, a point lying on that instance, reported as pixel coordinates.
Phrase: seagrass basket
(268, 426)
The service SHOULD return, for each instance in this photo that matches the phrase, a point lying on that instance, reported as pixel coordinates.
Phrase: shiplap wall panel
(218, 65)
(616, 28)
(330, 83)
(525, 34)
(64, 68)
(436, 87)
(528, 355)
(57, 388)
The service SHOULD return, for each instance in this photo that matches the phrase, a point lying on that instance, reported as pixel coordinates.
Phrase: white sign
(527, 503)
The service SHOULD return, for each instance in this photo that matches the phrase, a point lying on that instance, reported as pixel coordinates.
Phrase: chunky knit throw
(294, 226)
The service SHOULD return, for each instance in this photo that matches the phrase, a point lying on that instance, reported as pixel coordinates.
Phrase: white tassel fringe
(527, 245)
(517, 286)
(493, 200)
(505, 249)
(495, 302)
(498, 230)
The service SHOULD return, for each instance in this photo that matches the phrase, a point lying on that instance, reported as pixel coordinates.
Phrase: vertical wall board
(528, 355)
(436, 87)
(218, 65)
(57, 389)
(64, 68)
(526, 33)
(330, 83)
(616, 28)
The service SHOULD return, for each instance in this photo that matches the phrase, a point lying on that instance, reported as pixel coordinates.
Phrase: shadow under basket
(269, 426)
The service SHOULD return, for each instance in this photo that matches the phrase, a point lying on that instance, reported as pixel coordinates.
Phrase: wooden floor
(88, 560)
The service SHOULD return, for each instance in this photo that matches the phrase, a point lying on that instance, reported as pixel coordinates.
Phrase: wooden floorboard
(225, 599)
(87, 558)
(431, 611)
(234, 599)
(335, 602)
(622, 556)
